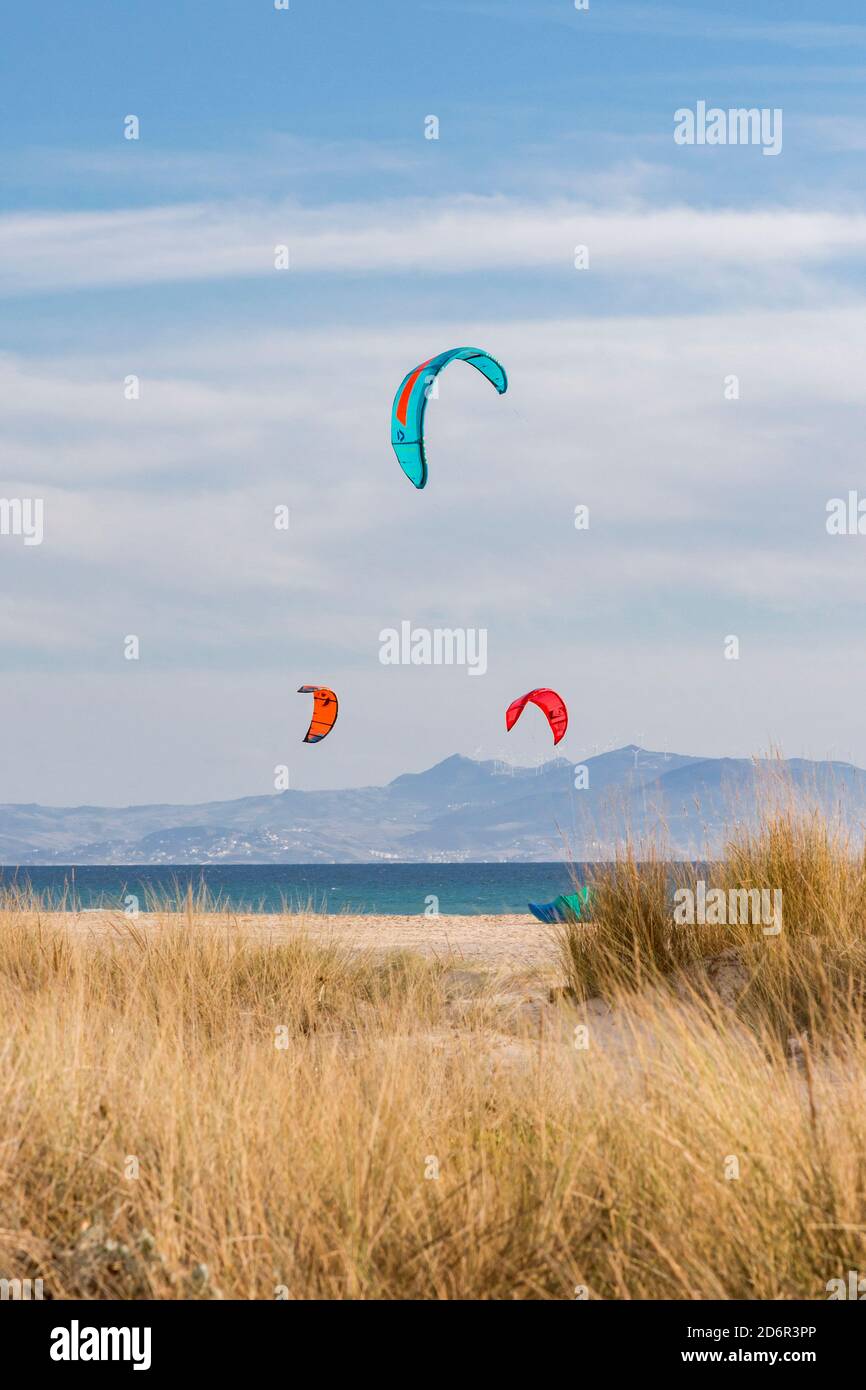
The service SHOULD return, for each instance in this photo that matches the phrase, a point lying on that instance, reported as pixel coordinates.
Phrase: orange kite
(325, 708)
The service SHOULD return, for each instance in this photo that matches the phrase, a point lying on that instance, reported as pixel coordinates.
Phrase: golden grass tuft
(628, 940)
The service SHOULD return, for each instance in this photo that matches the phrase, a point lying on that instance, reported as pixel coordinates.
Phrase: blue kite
(410, 403)
(566, 908)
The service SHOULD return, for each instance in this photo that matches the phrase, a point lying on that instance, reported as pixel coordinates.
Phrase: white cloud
(673, 22)
(209, 241)
(173, 495)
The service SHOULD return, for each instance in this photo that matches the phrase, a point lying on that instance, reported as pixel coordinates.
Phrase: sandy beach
(507, 943)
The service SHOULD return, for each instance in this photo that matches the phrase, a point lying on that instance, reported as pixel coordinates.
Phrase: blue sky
(155, 257)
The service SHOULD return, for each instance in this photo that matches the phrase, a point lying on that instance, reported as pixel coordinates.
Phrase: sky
(261, 387)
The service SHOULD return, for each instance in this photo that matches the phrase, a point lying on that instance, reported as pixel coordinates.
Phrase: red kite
(550, 704)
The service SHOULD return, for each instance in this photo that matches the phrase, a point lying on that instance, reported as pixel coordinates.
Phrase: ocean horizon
(398, 889)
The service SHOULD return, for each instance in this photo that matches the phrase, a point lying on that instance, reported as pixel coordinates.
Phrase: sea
(368, 889)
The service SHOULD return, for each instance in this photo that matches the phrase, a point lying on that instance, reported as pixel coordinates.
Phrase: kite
(550, 704)
(410, 403)
(565, 908)
(325, 709)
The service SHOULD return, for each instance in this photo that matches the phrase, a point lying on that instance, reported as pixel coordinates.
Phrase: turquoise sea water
(357, 888)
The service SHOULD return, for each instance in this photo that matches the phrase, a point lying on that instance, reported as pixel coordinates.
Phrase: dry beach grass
(199, 1106)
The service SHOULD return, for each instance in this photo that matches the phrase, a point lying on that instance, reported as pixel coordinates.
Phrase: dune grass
(193, 1111)
(628, 940)
(808, 979)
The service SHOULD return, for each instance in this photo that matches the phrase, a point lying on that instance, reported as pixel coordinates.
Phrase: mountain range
(457, 810)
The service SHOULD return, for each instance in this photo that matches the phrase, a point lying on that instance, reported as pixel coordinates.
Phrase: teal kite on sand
(566, 908)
